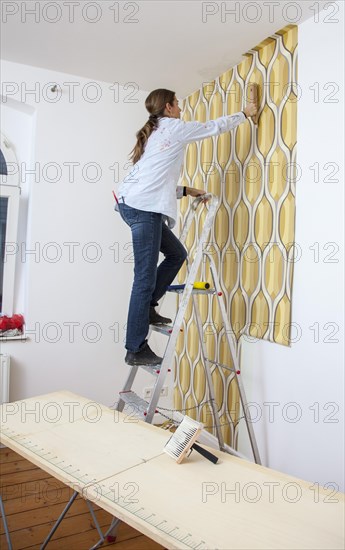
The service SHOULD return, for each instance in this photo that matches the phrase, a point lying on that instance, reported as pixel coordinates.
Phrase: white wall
(59, 292)
(310, 373)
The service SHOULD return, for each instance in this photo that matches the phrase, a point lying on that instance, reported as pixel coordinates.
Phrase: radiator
(4, 378)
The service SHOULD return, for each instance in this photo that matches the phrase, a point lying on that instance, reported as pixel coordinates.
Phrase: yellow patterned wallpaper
(252, 170)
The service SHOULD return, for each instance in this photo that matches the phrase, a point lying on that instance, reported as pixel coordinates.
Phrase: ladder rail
(170, 348)
(197, 260)
(127, 386)
(191, 214)
(208, 364)
(230, 339)
(229, 332)
(208, 375)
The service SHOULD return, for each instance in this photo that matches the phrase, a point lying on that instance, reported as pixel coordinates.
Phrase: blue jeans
(150, 235)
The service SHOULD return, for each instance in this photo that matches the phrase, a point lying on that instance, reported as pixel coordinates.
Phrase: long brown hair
(155, 104)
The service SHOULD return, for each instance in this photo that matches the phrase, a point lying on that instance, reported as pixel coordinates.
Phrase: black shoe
(156, 319)
(143, 357)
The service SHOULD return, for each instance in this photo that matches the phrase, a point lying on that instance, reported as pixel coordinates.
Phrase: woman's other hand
(193, 192)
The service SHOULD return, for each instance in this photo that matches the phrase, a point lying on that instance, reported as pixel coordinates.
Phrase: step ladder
(147, 409)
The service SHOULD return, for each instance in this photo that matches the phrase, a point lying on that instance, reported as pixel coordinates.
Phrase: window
(3, 224)
(9, 208)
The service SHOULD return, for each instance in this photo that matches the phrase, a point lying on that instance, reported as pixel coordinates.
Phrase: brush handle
(206, 454)
(198, 285)
(175, 287)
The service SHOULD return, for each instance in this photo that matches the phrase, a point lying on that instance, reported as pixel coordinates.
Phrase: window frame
(10, 189)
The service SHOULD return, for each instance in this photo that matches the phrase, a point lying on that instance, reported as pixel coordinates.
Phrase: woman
(147, 203)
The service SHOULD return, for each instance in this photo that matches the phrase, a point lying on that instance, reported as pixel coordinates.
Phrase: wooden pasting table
(117, 462)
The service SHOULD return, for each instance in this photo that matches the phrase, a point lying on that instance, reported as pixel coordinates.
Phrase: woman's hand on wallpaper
(251, 109)
(196, 193)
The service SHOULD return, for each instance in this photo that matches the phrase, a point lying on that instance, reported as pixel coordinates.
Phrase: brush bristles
(181, 441)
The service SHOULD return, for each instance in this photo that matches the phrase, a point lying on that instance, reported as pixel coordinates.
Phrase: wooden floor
(33, 500)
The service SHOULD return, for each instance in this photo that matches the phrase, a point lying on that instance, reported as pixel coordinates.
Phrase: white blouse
(151, 185)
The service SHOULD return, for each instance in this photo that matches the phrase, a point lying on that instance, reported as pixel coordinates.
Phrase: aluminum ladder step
(162, 329)
(152, 370)
(196, 291)
(140, 406)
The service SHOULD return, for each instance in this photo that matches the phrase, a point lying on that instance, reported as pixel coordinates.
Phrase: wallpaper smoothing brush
(183, 441)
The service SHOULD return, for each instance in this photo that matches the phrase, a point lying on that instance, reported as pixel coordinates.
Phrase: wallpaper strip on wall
(252, 169)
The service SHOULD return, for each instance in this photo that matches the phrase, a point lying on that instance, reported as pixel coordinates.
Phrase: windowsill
(19, 337)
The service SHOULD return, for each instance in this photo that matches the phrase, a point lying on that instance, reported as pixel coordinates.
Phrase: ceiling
(153, 43)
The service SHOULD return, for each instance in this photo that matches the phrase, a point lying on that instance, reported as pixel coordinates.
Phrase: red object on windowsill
(11, 323)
